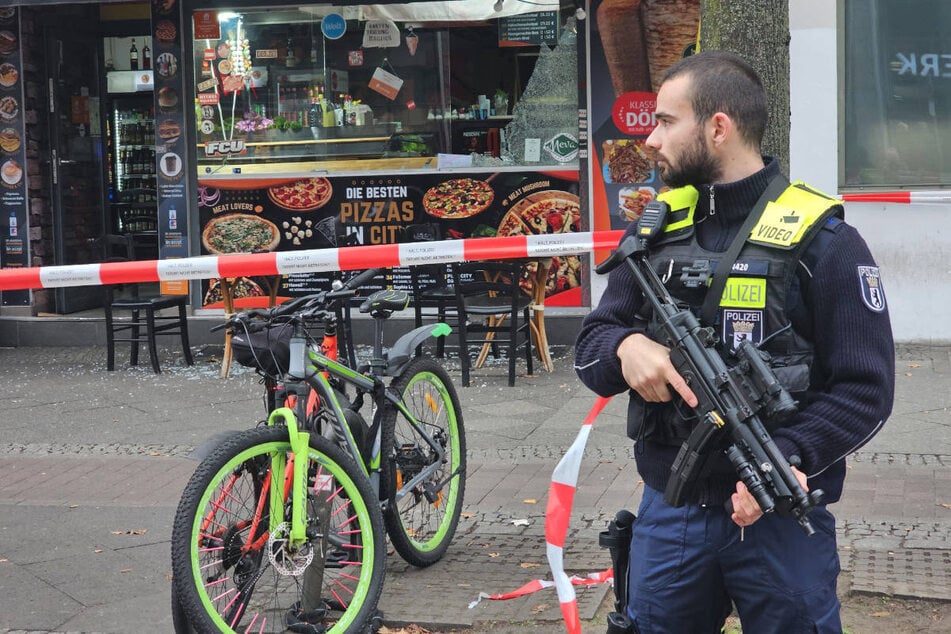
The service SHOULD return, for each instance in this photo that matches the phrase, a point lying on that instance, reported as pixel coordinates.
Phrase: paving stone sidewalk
(92, 464)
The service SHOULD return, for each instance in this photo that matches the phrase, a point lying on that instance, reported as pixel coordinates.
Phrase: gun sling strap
(777, 185)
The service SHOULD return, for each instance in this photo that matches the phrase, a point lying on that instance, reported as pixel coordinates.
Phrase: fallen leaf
(493, 555)
(125, 570)
(3, 561)
(520, 523)
(530, 501)
(914, 365)
(540, 607)
(529, 564)
(131, 531)
(947, 506)
(467, 515)
(98, 550)
(881, 615)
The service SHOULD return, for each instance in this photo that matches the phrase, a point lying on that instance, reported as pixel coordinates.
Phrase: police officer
(801, 284)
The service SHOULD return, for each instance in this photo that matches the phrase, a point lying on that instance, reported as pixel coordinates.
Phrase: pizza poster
(13, 174)
(261, 214)
(631, 44)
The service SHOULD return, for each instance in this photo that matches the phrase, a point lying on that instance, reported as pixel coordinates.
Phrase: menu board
(259, 215)
(13, 185)
(170, 151)
(529, 28)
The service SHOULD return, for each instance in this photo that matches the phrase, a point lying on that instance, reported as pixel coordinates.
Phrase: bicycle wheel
(422, 519)
(234, 571)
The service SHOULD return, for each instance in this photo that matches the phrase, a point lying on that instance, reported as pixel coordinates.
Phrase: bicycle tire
(422, 524)
(227, 578)
(179, 619)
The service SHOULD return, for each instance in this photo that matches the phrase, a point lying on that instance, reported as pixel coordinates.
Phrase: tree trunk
(759, 31)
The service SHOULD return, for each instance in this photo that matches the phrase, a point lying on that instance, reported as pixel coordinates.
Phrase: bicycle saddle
(383, 303)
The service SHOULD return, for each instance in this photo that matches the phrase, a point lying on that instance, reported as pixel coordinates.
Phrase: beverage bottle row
(137, 160)
(137, 188)
(134, 56)
(137, 132)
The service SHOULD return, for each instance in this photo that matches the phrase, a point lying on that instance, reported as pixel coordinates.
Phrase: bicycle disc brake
(285, 561)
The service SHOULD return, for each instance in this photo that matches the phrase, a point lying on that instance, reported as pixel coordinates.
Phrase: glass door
(75, 168)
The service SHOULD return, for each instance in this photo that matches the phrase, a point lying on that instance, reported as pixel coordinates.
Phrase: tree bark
(759, 31)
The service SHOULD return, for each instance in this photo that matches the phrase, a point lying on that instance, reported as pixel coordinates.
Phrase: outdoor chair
(146, 320)
(433, 296)
(493, 312)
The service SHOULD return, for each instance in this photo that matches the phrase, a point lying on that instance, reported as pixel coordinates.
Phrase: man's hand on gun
(745, 508)
(647, 369)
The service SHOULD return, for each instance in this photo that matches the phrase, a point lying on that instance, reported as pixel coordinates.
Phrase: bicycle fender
(402, 351)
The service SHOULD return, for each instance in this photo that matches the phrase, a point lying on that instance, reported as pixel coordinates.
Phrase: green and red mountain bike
(281, 527)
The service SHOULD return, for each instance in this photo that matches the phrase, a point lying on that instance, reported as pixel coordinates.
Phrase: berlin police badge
(873, 294)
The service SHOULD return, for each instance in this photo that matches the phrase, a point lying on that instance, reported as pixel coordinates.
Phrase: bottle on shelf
(316, 112)
(133, 56)
(146, 57)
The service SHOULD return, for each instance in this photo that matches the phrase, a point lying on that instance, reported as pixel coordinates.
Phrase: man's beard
(697, 166)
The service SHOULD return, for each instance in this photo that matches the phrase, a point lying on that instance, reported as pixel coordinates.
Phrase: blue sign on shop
(333, 26)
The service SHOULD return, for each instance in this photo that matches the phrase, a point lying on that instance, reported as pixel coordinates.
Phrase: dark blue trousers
(688, 565)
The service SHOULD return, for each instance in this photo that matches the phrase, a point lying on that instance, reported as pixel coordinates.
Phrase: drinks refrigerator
(131, 180)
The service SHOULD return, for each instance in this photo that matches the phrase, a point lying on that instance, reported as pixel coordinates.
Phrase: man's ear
(721, 128)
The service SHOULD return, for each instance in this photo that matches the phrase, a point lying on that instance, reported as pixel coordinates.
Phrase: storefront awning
(453, 10)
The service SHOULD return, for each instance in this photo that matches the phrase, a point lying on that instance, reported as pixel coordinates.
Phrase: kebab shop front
(321, 126)
(331, 126)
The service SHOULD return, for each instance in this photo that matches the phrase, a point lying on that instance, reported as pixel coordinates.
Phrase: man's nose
(653, 139)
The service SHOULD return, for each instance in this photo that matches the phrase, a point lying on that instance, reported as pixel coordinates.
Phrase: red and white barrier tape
(561, 495)
(936, 197)
(308, 261)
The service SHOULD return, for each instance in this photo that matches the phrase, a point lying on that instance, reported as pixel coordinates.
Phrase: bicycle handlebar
(308, 306)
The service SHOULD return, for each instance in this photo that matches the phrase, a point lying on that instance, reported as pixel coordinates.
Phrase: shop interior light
(224, 16)
(497, 6)
(580, 13)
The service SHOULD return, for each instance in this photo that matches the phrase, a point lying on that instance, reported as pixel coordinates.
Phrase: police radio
(652, 221)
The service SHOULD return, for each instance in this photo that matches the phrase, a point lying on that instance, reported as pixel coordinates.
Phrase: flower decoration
(253, 121)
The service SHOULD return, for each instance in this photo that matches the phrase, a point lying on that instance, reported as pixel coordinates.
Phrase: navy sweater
(854, 352)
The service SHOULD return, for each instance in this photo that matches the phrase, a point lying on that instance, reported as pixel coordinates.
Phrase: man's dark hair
(723, 82)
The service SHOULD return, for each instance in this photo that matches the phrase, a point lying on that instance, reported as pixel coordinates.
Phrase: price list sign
(530, 28)
(13, 186)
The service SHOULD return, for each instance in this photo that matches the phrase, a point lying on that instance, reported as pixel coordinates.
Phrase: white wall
(910, 242)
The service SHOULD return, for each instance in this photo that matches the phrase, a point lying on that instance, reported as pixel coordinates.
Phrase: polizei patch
(873, 294)
(742, 325)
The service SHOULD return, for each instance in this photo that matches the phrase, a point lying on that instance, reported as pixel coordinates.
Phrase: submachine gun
(731, 399)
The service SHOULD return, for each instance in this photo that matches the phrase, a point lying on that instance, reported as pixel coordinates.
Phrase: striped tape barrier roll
(935, 197)
(561, 495)
(308, 261)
